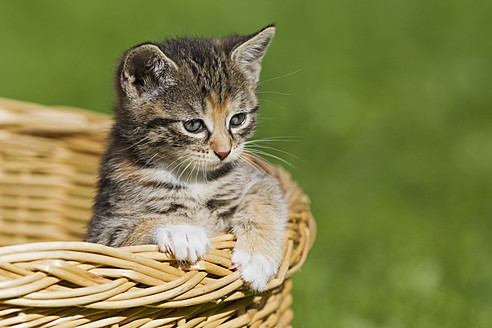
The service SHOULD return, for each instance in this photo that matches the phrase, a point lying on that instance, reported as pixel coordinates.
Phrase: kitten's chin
(211, 168)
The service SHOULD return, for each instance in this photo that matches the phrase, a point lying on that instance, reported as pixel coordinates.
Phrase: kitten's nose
(222, 154)
(221, 145)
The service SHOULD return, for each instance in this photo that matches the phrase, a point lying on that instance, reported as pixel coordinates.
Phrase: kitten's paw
(187, 242)
(255, 269)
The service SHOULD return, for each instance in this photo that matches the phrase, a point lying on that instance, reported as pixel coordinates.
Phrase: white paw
(255, 269)
(186, 242)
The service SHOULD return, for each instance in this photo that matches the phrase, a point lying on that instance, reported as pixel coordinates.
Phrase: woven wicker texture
(49, 278)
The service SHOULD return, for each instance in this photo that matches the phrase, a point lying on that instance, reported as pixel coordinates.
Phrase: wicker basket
(49, 278)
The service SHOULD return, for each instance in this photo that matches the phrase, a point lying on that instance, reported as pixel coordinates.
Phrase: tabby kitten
(175, 173)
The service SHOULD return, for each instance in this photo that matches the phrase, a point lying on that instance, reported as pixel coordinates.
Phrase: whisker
(260, 159)
(264, 118)
(273, 102)
(279, 77)
(276, 149)
(199, 165)
(135, 144)
(184, 170)
(177, 167)
(195, 170)
(256, 151)
(171, 167)
(273, 139)
(190, 173)
(168, 165)
(150, 160)
(276, 93)
(277, 137)
(251, 163)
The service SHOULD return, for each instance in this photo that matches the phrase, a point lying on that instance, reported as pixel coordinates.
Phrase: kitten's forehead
(227, 102)
(217, 108)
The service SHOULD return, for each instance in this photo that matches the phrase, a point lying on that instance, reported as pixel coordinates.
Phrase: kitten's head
(189, 103)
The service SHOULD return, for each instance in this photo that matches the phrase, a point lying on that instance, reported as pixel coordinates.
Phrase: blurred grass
(392, 110)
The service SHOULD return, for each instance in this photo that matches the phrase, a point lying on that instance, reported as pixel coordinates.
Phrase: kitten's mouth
(189, 168)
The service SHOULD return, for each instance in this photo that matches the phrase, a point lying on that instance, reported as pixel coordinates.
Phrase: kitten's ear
(250, 53)
(145, 70)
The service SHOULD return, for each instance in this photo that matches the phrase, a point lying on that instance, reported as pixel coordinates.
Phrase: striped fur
(160, 183)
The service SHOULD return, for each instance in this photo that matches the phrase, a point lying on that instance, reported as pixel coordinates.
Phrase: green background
(390, 104)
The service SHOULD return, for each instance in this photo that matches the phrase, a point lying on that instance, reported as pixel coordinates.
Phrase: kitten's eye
(238, 119)
(193, 125)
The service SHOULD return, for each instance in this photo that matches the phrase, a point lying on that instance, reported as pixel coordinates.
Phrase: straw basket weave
(50, 278)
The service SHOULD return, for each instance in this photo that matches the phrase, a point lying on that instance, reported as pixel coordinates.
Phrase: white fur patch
(255, 269)
(187, 242)
(197, 190)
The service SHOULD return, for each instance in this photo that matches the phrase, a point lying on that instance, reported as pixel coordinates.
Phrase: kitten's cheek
(186, 242)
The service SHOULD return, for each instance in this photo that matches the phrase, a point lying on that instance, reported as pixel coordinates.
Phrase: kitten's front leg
(259, 227)
(187, 242)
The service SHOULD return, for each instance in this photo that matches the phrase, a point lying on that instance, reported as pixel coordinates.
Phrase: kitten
(175, 173)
